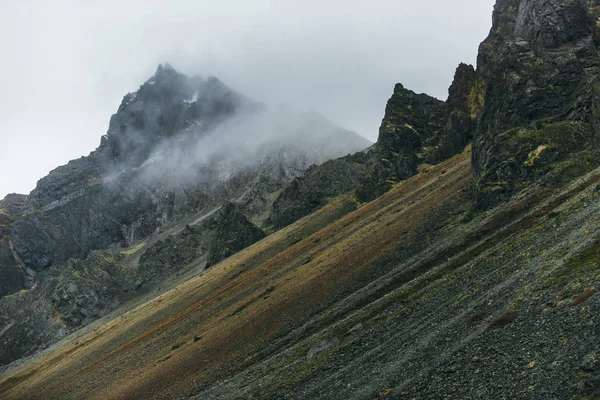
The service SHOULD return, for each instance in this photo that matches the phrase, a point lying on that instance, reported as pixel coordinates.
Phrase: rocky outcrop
(420, 129)
(318, 184)
(171, 150)
(167, 257)
(86, 290)
(540, 120)
(465, 101)
(13, 275)
(416, 129)
(232, 233)
(176, 149)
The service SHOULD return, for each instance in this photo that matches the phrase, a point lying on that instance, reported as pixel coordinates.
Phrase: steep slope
(404, 297)
(415, 129)
(473, 278)
(176, 151)
(13, 275)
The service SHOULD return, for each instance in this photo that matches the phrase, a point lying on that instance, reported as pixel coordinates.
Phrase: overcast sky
(66, 64)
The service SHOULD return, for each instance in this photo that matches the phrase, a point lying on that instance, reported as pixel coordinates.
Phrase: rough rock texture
(88, 289)
(318, 184)
(410, 130)
(13, 275)
(176, 149)
(416, 129)
(465, 101)
(169, 152)
(232, 233)
(540, 120)
(168, 256)
(420, 129)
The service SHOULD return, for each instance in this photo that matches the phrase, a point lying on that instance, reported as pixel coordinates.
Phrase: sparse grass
(343, 249)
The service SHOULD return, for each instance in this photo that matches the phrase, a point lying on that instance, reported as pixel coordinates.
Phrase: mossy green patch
(133, 250)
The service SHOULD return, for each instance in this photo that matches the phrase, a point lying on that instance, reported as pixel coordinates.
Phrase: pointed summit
(164, 68)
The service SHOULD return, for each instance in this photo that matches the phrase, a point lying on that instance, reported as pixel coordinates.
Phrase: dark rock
(88, 289)
(168, 256)
(151, 170)
(318, 184)
(539, 123)
(233, 232)
(13, 275)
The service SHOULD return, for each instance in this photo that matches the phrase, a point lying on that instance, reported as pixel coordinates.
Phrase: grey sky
(66, 64)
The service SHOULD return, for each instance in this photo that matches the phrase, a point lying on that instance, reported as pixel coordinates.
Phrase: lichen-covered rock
(420, 129)
(465, 101)
(416, 129)
(540, 120)
(88, 289)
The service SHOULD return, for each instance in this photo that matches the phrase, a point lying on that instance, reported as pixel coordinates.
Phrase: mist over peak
(176, 147)
(175, 124)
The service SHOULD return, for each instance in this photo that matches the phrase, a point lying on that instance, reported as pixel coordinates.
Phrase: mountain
(416, 129)
(541, 72)
(176, 151)
(458, 257)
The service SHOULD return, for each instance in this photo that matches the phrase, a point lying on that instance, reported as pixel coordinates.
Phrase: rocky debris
(444, 317)
(176, 148)
(539, 123)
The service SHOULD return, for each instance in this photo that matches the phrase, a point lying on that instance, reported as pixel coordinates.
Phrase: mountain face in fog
(178, 145)
(176, 151)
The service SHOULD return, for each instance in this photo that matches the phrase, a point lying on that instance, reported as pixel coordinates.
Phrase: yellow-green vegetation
(564, 136)
(476, 98)
(535, 154)
(131, 251)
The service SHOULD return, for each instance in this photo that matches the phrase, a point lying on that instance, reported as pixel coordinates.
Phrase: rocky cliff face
(416, 129)
(540, 121)
(13, 275)
(176, 150)
(530, 108)
(152, 167)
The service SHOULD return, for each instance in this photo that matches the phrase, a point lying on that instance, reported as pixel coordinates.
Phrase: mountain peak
(164, 68)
